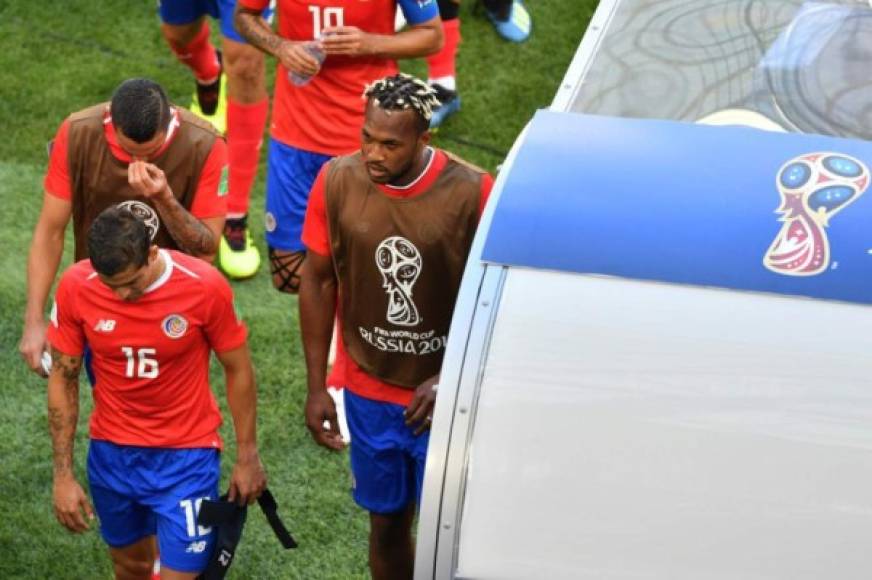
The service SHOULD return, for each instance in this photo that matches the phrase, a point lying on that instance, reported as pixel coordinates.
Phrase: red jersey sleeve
(254, 4)
(223, 329)
(57, 176)
(487, 183)
(316, 236)
(210, 199)
(65, 332)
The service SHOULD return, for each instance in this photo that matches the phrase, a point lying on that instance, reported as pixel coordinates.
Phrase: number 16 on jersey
(141, 363)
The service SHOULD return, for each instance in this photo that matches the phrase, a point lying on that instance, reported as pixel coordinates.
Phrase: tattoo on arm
(189, 233)
(251, 26)
(63, 409)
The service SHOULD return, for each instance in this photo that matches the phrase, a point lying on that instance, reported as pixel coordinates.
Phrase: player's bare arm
(317, 313)
(248, 478)
(195, 237)
(258, 33)
(71, 505)
(418, 40)
(46, 250)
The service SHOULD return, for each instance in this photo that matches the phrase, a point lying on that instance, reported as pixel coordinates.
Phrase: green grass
(59, 57)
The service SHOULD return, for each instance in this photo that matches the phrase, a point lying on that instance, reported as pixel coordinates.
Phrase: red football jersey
(151, 355)
(325, 115)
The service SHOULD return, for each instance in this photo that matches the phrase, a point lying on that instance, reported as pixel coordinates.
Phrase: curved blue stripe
(677, 202)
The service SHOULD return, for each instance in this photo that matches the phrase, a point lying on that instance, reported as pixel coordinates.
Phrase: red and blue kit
(325, 115)
(151, 355)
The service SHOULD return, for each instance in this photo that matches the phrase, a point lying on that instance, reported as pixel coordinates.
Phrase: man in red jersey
(388, 231)
(151, 317)
(110, 153)
(320, 119)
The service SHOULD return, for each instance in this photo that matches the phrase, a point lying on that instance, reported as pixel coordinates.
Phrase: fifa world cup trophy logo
(145, 213)
(399, 262)
(813, 187)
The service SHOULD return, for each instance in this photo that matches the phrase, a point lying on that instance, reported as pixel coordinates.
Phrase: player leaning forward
(388, 230)
(151, 317)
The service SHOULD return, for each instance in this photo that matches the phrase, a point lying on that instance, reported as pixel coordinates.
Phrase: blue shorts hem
(112, 543)
(168, 563)
(377, 509)
(182, 12)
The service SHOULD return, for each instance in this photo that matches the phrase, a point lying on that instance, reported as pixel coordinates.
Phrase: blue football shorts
(146, 491)
(181, 12)
(387, 459)
(290, 173)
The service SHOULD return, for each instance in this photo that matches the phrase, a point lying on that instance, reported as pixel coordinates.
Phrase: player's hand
(419, 413)
(33, 344)
(248, 479)
(148, 180)
(71, 505)
(348, 41)
(320, 408)
(297, 59)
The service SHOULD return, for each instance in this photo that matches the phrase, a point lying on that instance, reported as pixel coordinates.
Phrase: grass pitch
(58, 57)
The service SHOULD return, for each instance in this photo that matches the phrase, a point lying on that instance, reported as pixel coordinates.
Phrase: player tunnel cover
(676, 202)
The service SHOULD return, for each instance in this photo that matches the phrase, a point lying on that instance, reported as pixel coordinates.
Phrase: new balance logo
(104, 326)
(196, 547)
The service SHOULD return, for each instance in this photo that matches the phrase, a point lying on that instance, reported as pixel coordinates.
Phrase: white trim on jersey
(186, 271)
(165, 275)
(421, 176)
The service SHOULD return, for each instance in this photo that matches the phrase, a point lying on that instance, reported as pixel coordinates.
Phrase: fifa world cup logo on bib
(813, 188)
(399, 262)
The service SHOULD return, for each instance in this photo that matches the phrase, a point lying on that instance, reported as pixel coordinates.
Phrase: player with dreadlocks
(387, 233)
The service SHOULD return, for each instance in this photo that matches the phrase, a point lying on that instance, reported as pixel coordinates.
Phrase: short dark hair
(117, 240)
(402, 92)
(140, 108)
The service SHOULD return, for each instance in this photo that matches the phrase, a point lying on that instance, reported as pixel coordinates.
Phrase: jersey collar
(420, 184)
(165, 275)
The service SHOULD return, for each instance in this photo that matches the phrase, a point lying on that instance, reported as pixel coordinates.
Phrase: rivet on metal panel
(447, 526)
(485, 303)
(594, 27)
(462, 410)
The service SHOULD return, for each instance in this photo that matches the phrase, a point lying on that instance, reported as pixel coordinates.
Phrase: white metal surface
(632, 430)
(622, 430)
(460, 378)
(801, 65)
(575, 74)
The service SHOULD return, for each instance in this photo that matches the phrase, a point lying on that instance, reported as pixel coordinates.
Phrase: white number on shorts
(191, 509)
(147, 367)
(332, 16)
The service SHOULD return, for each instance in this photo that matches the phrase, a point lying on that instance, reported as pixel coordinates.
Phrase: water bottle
(313, 47)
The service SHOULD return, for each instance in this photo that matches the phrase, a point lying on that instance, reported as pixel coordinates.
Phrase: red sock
(442, 64)
(245, 125)
(199, 56)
